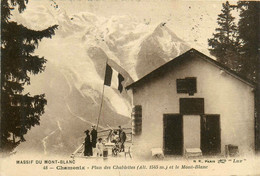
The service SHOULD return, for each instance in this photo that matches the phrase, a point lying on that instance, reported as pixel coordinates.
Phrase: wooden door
(173, 134)
(210, 134)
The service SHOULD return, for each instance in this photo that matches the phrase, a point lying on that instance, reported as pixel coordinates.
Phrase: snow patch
(44, 141)
(82, 118)
(122, 107)
(168, 43)
(59, 126)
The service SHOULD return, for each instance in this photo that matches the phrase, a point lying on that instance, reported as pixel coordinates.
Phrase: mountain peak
(162, 30)
(159, 29)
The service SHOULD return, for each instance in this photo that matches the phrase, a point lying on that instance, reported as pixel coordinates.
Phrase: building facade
(193, 102)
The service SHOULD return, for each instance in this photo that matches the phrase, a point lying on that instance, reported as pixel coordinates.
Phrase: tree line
(236, 45)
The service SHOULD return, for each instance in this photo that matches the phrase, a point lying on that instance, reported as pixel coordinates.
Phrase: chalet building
(193, 102)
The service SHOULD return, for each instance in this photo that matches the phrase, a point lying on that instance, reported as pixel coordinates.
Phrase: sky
(192, 20)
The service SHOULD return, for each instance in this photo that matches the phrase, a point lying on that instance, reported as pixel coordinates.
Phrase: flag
(108, 75)
(113, 78)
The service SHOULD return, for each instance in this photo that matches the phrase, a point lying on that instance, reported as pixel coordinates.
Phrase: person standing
(119, 130)
(122, 137)
(93, 134)
(88, 146)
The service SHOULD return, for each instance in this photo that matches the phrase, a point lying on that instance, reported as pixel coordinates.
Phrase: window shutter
(137, 120)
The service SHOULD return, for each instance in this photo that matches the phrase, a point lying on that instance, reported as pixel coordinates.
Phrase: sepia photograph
(129, 87)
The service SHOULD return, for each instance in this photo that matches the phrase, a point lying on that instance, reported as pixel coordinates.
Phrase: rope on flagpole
(102, 98)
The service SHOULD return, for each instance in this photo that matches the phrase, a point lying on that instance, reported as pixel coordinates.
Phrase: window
(192, 106)
(187, 85)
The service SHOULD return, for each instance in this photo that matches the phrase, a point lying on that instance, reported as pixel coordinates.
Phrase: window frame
(187, 87)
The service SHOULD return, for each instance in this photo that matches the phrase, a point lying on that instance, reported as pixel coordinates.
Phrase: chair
(128, 152)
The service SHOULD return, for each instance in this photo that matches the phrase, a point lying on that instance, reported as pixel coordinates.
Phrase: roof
(192, 52)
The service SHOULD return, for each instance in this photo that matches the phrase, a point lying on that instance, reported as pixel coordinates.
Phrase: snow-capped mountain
(74, 75)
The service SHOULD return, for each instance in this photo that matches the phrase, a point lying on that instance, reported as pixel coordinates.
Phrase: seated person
(115, 137)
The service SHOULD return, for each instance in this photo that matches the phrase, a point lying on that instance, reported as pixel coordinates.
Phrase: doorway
(210, 134)
(191, 131)
(173, 134)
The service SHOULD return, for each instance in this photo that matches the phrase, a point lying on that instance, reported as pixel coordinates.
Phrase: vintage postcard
(129, 87)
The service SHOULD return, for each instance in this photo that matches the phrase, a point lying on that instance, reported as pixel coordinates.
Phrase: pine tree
(19, 111)
(224, 44)
(248, 28)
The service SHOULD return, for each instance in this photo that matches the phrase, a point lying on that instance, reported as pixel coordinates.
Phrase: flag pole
(102, 98)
